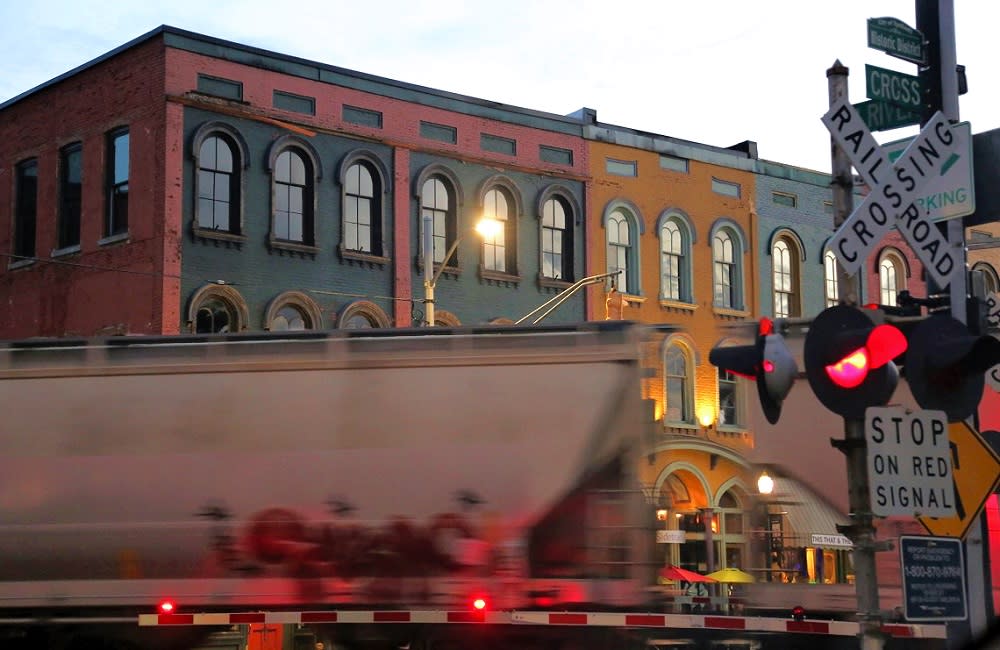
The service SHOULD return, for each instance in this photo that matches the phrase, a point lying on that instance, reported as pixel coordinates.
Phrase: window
(891, 277)
(674, 163)
(988, 276)
(70, 184)
(726, 188)
(785, 274)
(726, 276)
(495, 247)
(557, 239)
(293, 192)
(117, 183)
(678, 383)
(362, 314)
(26, 208)
(220, 87)
(621, 167)
(362, 116)
(219, 182)
(295, 103)
(675, 259)
(497, 144)
(439, 132)
(784, 199)
(729, 411)
(362, 228)
(619, 250)
(293, 310)
(437, 202)
(216, 309)
(830, 279)
(555, 155)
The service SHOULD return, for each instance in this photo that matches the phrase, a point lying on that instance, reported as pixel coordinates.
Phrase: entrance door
(264, 637)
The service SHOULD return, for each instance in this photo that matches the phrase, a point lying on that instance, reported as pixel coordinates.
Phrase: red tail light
(479, 604)
(166, 607)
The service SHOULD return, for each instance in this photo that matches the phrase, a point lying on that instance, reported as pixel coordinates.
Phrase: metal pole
(428, 254)
(862, 534)
(842, 182)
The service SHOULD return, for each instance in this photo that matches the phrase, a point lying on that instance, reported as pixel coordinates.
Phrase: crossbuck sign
(895, 189)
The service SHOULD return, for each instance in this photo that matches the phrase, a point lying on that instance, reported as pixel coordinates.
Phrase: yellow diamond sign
(976, 471)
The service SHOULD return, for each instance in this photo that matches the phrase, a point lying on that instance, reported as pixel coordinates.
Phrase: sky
(717, 72)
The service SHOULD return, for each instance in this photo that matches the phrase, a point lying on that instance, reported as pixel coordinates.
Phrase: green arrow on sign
(883, 116)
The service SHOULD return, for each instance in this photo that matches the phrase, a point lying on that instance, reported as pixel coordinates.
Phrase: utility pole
(939, 81)
(861, 532)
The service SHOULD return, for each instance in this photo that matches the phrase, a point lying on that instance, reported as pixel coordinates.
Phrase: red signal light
(851, 370)
(799, 613)
(479, 604)
(884, 344)
(166, 607)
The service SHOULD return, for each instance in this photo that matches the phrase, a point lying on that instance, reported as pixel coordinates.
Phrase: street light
(487, 227)
(765, 484)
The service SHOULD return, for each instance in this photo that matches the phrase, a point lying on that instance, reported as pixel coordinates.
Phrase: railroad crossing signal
(895, 190)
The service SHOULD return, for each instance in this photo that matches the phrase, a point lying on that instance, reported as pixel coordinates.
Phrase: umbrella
(676, 573)
(731, 575)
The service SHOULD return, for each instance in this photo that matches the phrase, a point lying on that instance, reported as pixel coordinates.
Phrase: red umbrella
(676, 573)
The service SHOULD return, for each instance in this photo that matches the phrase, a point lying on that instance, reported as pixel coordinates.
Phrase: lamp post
(487, 227)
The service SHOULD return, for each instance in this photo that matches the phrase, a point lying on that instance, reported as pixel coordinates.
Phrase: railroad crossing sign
(895, 189)
(976, 473)
(909, 462)
(952, 193)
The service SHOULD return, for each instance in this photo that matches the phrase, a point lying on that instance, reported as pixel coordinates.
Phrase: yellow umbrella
(731, 575)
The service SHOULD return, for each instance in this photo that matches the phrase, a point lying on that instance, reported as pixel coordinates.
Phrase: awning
(808, 517)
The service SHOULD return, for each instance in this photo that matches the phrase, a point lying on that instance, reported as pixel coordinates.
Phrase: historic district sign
(976, 474)
(895, 188)
(909, 462)
(896, 38)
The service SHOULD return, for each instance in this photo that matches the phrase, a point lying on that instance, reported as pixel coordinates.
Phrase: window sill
(729, 313)
(545, 282)
(292, 247)
(677, 305)
(20, 264)
(499, 277)
(218, 235)
(632, 299)
(449, 271)
(685, 427)
(66, 251)
(113, 239)
(367, 259)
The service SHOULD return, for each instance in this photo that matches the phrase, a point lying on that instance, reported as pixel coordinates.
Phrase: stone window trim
(446, 318)
(224, 293)
(242, 150)
(296, 299)
(375, 314)
(561, 191)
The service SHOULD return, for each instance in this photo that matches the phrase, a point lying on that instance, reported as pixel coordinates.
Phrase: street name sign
(893, 87)
(894, 190)
(976, 473)
(883, 116)
(896, 38)
(933, 578)
(909, 462)
(951, 194)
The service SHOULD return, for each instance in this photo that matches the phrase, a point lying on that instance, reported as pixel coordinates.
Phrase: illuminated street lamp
(487, 228)
(765, 484)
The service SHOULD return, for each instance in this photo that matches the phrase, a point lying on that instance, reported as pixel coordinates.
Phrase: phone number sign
(933, 578)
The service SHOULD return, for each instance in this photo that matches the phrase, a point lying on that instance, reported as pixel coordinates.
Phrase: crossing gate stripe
(595, 619)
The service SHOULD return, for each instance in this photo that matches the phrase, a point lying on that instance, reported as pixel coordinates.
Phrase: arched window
(293, 192)
(730, 405)
(891, 277)
(675, 258)
(724, 270)
(362, 314)
(218, 185)
(831, 291)
(217, 309)
(557, 239)
(363, 180)
(991, 283)
(495, 246)
(619, 250)
(293, 310)
(437, 201)
(679, 385)
(785, 274)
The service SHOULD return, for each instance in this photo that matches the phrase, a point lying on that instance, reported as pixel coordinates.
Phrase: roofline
(164, 30)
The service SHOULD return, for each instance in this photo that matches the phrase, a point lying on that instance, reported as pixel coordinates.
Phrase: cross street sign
(883, 116)
(892, 201)
(896, 38)
(909, 462)
(897, 88)
(951, 194)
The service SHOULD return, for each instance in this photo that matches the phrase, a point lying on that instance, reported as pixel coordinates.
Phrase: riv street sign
(896, 38)
(909, 462)
(951, 194)
(900, 89)
(894, 191)
(976, 472)
(883, 116)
